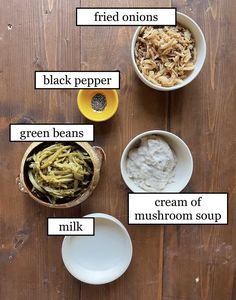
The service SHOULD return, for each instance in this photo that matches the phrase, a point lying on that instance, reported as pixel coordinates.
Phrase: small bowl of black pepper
(98, 105)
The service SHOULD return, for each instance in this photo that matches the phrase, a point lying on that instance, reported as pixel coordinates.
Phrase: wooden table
(169, 262)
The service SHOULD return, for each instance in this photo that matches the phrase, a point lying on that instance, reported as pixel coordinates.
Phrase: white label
(125, 16)
(77, 80)
(178, 208)
(71, 226)
(51, 132)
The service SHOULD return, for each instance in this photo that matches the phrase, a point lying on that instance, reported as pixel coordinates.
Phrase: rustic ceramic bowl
(186, 22)
(97, 156)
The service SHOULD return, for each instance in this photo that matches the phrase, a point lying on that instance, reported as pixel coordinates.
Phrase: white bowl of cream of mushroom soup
(156, 161)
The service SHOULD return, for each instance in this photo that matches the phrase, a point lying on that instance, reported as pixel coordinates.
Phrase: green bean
(60, 172)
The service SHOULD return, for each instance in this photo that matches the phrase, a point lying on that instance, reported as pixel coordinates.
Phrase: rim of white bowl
(185, 81)
(116, 275)
(138, 137)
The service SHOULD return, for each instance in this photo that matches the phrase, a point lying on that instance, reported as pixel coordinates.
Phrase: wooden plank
(140, 109)
(42, 35)
(199, 261)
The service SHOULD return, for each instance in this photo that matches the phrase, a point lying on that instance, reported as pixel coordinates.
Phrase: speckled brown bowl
(97, 156)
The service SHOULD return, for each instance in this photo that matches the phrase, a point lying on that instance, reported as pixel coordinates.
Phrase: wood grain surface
(169, 262)
(199, 261)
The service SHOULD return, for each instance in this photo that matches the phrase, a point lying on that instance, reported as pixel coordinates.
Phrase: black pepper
(99, 102)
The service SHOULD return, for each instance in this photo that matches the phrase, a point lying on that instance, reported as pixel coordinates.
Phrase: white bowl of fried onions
(60, 175)
(167, 58)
